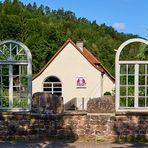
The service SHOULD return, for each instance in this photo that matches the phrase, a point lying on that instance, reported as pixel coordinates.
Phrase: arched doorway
(53, 85)
(131, 80)
(15, 76)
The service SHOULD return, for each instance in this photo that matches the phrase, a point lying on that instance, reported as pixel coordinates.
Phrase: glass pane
(57, 89)
(47, 85)
(122, 80)
(23, 70)
(57, 85)
(122, 91)
(141, 102)
(5, 91)
(147, 102)
(16, 81)
(141, 69)
(0, 70)
(5, 70)
(131, 91)
(15, 70)
(24, 94)
(1, 92)
(130, 102)
(141, 80)
(52, 79)
(5, 102)
(141, 91)
(131, 69)
(5, 81)
(123, 69)
(147, 91)
(47, 89)
(123, 102)
(20, 54)
(4, 52)
(147, 80)
(24, 81)
(0, 100)
(16, 91)
(131, 80)
(20, 103)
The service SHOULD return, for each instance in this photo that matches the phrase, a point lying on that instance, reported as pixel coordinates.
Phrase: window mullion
(136, 85)
(145, 85)
(1, 84)
(52, 88)
(127, 97)
(10, 86)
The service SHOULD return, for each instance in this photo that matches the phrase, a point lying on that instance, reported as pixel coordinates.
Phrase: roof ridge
(89, 57)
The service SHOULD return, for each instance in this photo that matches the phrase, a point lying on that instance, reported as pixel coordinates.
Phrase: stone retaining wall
(88, 126)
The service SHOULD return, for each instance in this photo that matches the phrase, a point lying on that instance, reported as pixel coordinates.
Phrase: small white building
(75, 74)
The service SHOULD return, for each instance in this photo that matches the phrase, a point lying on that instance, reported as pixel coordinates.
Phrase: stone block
(101, 105)
(47, 103)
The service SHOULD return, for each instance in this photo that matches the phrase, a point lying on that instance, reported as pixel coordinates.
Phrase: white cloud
(118, 26)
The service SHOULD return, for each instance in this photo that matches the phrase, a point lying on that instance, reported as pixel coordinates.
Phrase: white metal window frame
(52, 86)
(11, 62)
(118, 62)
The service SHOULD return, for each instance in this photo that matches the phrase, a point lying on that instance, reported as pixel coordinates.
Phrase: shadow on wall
(36, 127)
(71, 105)
(41, 144)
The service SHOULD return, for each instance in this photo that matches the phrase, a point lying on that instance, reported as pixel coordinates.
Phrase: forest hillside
(44, 30)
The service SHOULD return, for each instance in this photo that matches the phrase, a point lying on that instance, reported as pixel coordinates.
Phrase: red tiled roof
(86, 53)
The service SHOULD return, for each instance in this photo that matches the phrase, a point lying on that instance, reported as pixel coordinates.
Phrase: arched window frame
(52, 91)
(136, 64)
(11, 62)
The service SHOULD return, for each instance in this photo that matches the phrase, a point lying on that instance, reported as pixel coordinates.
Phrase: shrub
(107, 93)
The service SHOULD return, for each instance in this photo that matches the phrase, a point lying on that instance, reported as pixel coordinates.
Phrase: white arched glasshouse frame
(118, 62)
(10, 61)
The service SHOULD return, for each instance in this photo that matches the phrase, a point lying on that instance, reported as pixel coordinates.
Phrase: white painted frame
(117, 75)
(11, 62)
(52, 86)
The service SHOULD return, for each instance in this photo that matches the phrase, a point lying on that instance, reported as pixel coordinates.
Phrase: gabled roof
(86, 53)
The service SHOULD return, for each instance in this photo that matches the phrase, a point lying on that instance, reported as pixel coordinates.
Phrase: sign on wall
(81, 82)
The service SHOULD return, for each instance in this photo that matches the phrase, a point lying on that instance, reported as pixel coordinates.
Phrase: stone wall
(74, 125)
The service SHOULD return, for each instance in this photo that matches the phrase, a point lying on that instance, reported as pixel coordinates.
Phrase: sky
(128, 16)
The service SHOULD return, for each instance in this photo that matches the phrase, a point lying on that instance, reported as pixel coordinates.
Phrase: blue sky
(128, 16)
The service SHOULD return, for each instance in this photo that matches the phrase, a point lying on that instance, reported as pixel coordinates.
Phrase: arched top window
(15, 76)
(132, 76)
(53, 85)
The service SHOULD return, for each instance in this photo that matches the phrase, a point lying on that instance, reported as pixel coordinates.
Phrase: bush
(107, 93)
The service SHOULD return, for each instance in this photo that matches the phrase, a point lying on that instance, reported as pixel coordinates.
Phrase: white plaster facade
(68, 64)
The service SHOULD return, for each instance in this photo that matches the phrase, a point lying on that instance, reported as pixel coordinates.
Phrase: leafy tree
(44, 30)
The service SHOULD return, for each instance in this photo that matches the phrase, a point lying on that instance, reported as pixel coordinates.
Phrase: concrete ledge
(135, 113)
(97, 114)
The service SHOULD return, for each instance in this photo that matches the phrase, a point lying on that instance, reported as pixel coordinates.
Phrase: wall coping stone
(75, 113)
(112, 114)
(141, 113)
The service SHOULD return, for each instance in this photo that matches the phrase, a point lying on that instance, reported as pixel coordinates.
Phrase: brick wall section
(105, 126)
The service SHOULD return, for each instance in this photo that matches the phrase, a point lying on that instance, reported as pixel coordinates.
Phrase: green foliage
(44, 30)
(5, 102)
(20, 103)
(107, 93)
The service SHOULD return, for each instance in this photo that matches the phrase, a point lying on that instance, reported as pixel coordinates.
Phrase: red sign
(81, 82)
